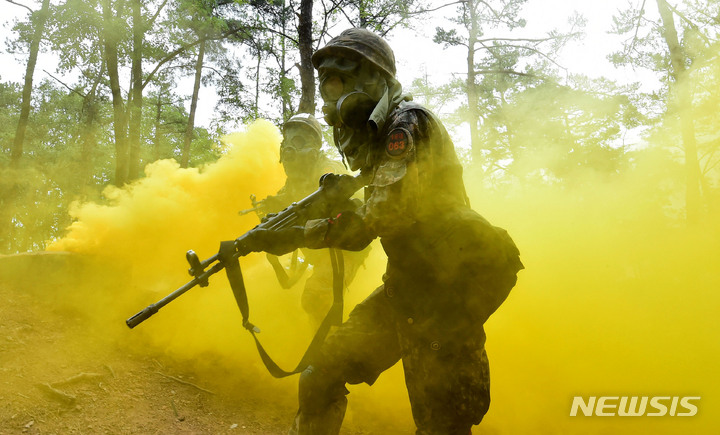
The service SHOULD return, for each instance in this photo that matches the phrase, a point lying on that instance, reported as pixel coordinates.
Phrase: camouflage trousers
(447, 377)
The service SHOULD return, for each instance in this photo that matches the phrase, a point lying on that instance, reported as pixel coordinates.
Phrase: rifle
(297, 269)
(334, 189)
(256, 206)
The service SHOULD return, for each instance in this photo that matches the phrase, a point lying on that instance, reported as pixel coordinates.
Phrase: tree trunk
(119, 116)
(185, 161)
(89, 137)
(257, 83)
(89, 134)
(156, 140)
(472, 92)
(19, 140)
(362, 14)
(284, 94)
(136, 101)
(307, 72)
(683, 103)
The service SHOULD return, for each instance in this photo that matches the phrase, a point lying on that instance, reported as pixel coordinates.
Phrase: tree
(113, 32)
(681, 46)
(678, 60)
(305, 47)
(37, 23)
(271, 34)
(285, 31)
(498, 64)
(139, 27)
(75, 27)
(34, 197)
(551, 133)
(130, 34)
(10, 94)
(203, 24)
(379, 16)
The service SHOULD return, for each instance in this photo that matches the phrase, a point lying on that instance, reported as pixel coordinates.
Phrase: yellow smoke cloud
(152, 222)
(145, 229)
(617, 299)
(614, 302)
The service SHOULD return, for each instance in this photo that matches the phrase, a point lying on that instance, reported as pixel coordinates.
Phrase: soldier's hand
(276, 242)
(348, 231)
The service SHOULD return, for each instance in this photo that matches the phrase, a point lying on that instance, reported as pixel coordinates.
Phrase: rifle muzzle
(141, 316)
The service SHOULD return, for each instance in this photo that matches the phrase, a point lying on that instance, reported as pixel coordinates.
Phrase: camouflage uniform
(448, 270)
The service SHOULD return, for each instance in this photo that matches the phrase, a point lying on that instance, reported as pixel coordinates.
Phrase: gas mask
(299, 152)
(351, 110)
(350, 91)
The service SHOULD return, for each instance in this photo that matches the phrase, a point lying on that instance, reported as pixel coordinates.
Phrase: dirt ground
(62, 374)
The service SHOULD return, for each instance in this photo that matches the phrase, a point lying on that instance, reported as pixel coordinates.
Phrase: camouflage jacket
(439, 250)
(415, 185)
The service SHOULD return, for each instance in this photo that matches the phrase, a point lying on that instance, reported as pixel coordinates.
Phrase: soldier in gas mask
(304, 163)
(448, 268)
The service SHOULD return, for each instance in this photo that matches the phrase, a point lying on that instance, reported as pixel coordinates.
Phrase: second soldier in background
(304, 163)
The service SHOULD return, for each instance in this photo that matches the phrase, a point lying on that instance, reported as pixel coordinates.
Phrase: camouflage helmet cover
(362, 43)
(307, 121)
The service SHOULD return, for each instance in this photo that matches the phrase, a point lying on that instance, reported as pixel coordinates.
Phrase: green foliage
(10, 94)
(33, 208)
(448, 38)
(683, 113)
(505, 75)
(531, 124)
(555, 131)
(380, 16)
(55, 171)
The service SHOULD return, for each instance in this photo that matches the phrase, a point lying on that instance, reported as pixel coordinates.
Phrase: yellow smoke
(145, 229)
(161, 215)
(614, 302)
(618, 298)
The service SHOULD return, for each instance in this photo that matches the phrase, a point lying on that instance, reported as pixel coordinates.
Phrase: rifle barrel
(338, 187)
(151, 309)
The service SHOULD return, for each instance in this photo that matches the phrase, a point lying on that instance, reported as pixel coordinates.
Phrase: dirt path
(62, 374)
(63, 377)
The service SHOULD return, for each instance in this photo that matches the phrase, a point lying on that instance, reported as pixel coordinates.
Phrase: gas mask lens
(291, 154)
(299, 142)
(332, 88)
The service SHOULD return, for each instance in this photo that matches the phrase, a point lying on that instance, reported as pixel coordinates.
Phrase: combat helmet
(362, 43)
(308, 121)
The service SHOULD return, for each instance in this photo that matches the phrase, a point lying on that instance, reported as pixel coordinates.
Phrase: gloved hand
(276, 242)
(348, 231)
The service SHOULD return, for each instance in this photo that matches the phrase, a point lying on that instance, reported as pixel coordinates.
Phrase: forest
(134, 130)
(130, 74)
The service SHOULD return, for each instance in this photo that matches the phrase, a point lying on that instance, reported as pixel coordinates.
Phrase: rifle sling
(332, 318)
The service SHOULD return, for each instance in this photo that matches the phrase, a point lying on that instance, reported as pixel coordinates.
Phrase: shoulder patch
(399, 141)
